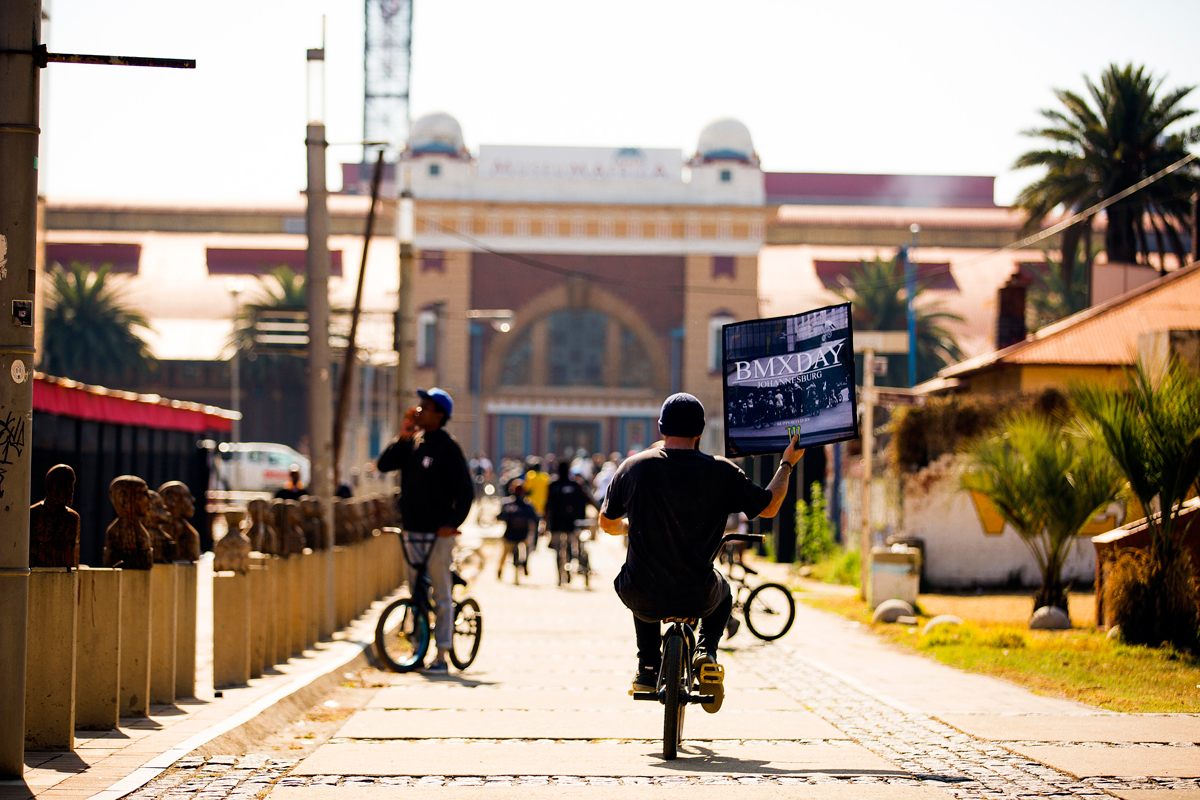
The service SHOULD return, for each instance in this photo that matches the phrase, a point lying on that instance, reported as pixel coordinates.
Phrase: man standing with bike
(436, 492)
(672, 501)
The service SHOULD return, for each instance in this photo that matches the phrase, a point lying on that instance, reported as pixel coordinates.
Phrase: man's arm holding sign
(779, 482)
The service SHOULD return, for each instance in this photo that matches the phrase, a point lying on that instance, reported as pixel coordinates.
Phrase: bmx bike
(403, 632)
(571, 552)
(678, 684)
(768, 608)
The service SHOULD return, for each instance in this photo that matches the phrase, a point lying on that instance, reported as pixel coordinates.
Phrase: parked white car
(257, 466)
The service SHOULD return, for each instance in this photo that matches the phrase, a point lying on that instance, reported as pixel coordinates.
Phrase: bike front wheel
(770, 611)
(468, 631)
(402, 636)
(672, 700)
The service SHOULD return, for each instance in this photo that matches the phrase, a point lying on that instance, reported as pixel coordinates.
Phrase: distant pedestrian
(294, 489)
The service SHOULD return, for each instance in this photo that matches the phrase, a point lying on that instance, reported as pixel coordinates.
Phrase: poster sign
(786, 376)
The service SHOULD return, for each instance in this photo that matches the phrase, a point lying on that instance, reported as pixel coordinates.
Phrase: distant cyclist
(566, 501)
(677, 500)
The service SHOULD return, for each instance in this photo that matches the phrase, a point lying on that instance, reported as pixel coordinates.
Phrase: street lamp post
(405, 333)
(235, 288)
(910, 291)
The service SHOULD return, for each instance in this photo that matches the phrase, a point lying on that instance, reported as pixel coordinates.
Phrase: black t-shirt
(677, 502)
(566, 502)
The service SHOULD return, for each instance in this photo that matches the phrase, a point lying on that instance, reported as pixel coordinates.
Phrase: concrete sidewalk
(829, 707)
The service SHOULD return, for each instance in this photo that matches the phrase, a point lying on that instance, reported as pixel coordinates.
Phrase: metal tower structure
(387, 62)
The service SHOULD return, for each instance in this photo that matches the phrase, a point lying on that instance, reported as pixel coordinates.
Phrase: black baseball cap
(682, 415)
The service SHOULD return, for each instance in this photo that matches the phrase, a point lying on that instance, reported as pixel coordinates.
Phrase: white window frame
(715, 323)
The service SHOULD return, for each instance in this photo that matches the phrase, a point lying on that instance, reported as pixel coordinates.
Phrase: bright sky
(931, 86)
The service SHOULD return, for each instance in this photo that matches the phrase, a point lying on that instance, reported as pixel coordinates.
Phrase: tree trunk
(1119, 241)
(1070, 248)
(1176, 242)
(1088, 259)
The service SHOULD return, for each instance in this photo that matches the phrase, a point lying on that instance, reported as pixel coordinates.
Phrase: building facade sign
(580, 163)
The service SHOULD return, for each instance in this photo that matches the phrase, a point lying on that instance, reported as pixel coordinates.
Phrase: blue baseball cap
(440, 398)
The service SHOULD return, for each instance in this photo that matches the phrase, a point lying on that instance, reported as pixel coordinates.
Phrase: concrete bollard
(283, 611)
(187, 576)
(135, 643)
(339, 585)
(163, 609)
(312, 615)
(274, 578)
(50, 659)
(98, 636)
(298, 604)
(260, 614)
(231, 629)
(326, 627)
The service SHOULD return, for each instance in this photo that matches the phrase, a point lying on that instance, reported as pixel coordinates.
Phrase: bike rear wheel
(402, 636)
(673, 702)
(468, 631)
(769, 611)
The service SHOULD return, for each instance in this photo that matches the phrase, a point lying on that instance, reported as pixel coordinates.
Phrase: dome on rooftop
(726, 140)
(437, 132)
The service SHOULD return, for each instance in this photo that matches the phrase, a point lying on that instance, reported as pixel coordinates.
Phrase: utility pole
(320, 384)
(22, 55)
(405, 333)
(20, 31)
(869, 343)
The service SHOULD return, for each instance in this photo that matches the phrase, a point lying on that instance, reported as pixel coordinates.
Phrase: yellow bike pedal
(711, 673)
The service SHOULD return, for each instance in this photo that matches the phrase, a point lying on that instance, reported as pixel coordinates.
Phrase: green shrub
(839, 566)
(814, 534)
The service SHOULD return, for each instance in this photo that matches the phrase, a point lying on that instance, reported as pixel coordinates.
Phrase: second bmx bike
(403, 632)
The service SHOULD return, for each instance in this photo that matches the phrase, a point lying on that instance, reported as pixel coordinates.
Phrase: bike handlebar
(752, 538)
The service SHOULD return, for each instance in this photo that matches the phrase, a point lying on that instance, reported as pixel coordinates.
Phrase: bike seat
(690, 621)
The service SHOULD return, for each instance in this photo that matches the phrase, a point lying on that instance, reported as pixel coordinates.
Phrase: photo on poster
(789, 375)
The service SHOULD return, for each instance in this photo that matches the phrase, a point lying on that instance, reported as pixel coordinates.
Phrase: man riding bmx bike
(672, 501)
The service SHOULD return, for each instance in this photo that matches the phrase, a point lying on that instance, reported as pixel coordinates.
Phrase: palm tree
(90, 336)
(1047, 482)
(1104, 147)
(1056, 293)
(1152, 429)
(285, 291)
(877, 303)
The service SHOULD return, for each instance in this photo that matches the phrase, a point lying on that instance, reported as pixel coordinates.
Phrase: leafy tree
(1056, 293)
(1152, 429)
(1103, 147)
(90, 335)
(1047, 482)
(878, 303)
(285, 290)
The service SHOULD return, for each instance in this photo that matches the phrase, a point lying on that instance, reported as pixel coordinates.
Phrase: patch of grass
(1079, 664)
(841, 567)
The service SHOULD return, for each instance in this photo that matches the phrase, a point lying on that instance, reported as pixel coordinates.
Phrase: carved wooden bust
(126, 542)
(180, 503)
(159, 524)
(293, 533)
(313, 513)
(232, 551)
(258, 528)
(53, 525)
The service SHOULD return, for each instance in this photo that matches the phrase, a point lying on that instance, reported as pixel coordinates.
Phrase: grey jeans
(440, 558)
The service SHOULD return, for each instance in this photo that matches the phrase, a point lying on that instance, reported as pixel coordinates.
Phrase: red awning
(80, 401)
